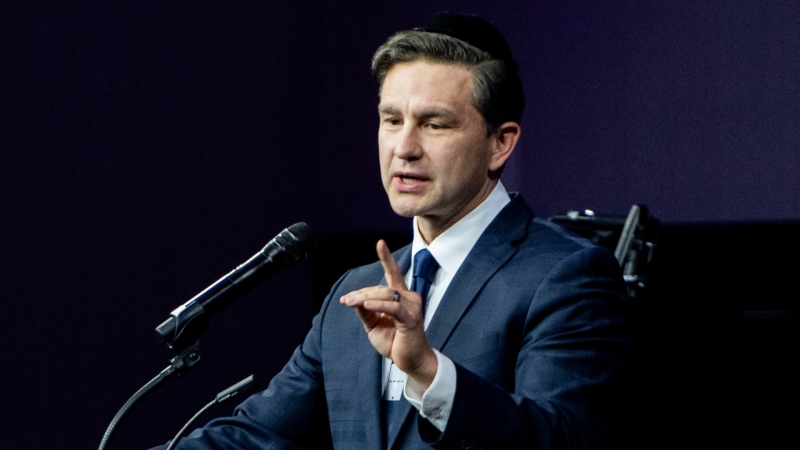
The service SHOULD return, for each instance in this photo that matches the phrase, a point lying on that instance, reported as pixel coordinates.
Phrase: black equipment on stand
(634, 240)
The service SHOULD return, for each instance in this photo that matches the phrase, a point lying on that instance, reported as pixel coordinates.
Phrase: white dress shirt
(450, 250)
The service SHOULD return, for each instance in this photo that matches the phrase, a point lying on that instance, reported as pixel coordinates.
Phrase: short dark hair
(498, 94)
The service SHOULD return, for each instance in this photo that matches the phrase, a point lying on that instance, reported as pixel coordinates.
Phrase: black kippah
(471, 29)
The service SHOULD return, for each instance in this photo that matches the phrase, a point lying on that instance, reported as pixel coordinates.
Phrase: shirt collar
(452, 246)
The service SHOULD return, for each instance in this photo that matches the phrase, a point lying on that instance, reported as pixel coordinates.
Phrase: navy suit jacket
(536, 321)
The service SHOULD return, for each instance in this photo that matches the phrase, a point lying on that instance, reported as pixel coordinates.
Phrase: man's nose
(409, 145)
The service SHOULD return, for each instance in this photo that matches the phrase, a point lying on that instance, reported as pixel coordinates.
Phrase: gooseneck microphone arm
(178, 365)
(222, 397)
(182, 330)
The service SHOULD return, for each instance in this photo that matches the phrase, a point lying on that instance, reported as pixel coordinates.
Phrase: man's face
(434, 151)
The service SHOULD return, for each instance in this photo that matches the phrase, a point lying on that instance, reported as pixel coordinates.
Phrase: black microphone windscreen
(306, 239)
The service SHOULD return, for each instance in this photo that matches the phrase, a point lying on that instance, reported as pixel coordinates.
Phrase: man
(524, 337)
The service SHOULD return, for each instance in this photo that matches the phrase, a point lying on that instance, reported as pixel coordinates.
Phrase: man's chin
(404, 213)
(405, 210)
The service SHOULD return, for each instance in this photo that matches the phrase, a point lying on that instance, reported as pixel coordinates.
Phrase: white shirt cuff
(436, 403)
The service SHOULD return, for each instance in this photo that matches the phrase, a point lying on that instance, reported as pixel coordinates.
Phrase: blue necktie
(425, 267)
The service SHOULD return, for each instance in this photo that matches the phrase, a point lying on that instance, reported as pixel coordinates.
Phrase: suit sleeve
(291, 414)
(570, 373)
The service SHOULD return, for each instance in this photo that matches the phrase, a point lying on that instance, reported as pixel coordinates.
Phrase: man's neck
(430, 227)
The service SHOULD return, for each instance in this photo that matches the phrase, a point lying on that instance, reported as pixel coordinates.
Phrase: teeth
(406, 179)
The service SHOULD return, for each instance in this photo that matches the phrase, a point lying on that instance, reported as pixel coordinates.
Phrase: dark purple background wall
(148, 148)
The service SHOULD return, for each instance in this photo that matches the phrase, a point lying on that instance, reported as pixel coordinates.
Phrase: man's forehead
(426, 85)
(424, 65)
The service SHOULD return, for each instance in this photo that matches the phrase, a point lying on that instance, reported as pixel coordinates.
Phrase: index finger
(392, 272)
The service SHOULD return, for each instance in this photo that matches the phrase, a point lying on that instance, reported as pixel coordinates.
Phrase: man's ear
(505, 139)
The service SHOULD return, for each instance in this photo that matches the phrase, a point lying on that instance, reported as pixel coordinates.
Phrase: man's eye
(392, 121)
(435, 126)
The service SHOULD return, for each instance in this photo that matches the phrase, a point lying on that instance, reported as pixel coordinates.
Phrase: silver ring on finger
(396, 297)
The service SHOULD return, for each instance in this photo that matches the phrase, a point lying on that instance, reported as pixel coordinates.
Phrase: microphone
(187, 322)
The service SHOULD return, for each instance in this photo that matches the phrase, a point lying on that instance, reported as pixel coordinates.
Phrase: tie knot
(425, 265)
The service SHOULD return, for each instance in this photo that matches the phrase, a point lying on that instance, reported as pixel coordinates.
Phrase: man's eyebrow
(429, 113)
(387, 109)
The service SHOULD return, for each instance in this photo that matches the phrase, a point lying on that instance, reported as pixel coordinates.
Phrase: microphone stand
(182, 329)
(178, 366)
(183, 338)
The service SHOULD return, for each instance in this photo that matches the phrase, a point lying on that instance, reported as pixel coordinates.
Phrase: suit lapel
(401, 413)
(369, 381)
(490, 253)
(366, 373)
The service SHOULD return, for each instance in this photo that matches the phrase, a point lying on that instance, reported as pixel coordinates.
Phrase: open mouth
(407, 179)
(409, 182)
